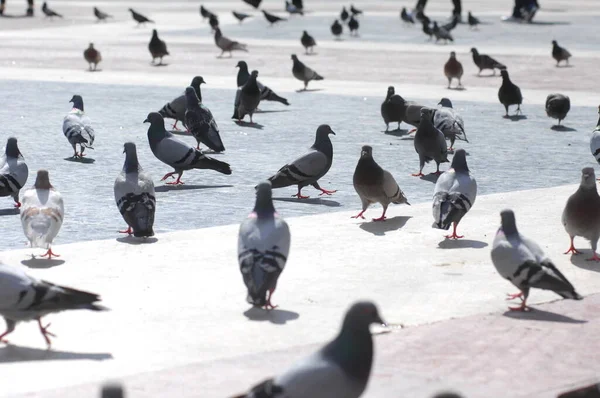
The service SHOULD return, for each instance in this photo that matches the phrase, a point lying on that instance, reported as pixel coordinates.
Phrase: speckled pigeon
(13, 171)
(201, 123)
(429, 143)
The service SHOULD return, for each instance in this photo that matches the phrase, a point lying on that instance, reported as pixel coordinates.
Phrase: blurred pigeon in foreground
(176, 153)
(292, 9)
(176, 108)
(340, 369)
(430, 143)
(426, 27)
(453, 69)
(393, 108)
(524, 264)
(299, 4)
(102, 16)
(240, 16)
(441, 33)
(484, 62)
(134, 195)
(205, 13)
(406, 17)
(200, 122)
(263, 248)
(303, 72)
(247, 98)
(92, 56)
(13, 171)
(473, 21)
(139, 18)
(454, 194)
(310, 167)
(272, 18)
(227, 45)
(595, 140)
(337, 29)
(559, 53)
(42, 213)
(308, 42)
(157, 47)
(375, 185)
(266, 94)
(253, 3)
(353, 25)
(557, 106)
(344, 14)
(77, 128)
(213, 21)
(449, 122)
(509, 93)
(581, 216)
(49, 13)
(355, 11)
(112, 391)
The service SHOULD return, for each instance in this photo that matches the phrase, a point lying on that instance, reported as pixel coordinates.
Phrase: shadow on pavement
(276, 316)
(379, 228)
(536, 314)
(167, 188)
(42, 263)
(580, 260)
(311, 201)
(14, 353)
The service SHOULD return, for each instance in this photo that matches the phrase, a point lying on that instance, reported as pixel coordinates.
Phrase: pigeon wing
(305, 169)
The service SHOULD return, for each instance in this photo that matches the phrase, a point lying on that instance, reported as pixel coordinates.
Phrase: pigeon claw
(521, 308)
(572, 250)
(17, 205)
(594, 258)
(326, 192)
(268, 306)
(128, 231)
(513, 296)
(45, 332)
(49, 254)
(419, 174)
(382, 218)
(359, 215)
(300, 196)
(454, 236)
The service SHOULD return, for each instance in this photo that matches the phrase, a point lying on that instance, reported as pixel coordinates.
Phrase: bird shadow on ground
(396, 133)
(535, 314)
(379, 228)
(132, 240)
(42, 263)
(15, 353)
(580, 261)
(310, 54)
(456, 88)
(431, 177)
(80, 160)
(408, 137)
(461, 244)
(309, 90)
(515, 118)
(311, 201)
(564, 66)
(93, 70)
(549, 23)
(276, 316)
(9, 212)
(167, 188)
(248, 124)
(272, 111)
(562, 128)
(157, 65)
(487, 75)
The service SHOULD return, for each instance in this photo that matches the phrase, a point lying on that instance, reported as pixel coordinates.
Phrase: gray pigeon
(176, 153)
(48, 12)
(201, 123)
(454, 194)
(560, 53)
(266, 94)
(412, 114)
(441, 33)
(77, 128)
(112, 391)
(353, 25)
(595, 140)
(263, 248)
(303, 72)
(393, 108)
(340, 369)
(227, 45)
(483, 62)
(177, 107)
(240, 16)
(13, 171)
(134, 195)
(157, 47)
(449, 122)
(25, 298)
(308, 42)
(247, 98)
(375, 185)
(581, 216)
(139, 18)
(524, 264)
(557, 106)
(310, 167)
(102, 16)
(337, 29)
(430, 143)
(509, 93)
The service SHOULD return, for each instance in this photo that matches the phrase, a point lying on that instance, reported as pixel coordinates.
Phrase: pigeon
(247, 98)
(412, 114)
(355, 11)
(253, 3)
(453, 69)
(176, 108)
(557, 106)
(430, 143)
(375, 185)
(134, 195)
(240, 16)
(449, 122)
(441, 33)
(344, 14)
(157, 47)
(393, 108)
(559, 53)
(13, 171)
(25, 299)
(227, 45)
(48, 12)
(353, 26)
(263, 248)
(272, 18)
(595, 140)
(484, 62)
(42, 213)
(200, 121)
(205, 13)
(454, 194)
(176, 153)
(78, 129)
(303, 72)
(337, 29)
(509, 93)
(427, 28)
(524, 263)
(112, 391)
(266, 93)
(102, 16)
(92, 56)
(299, 4)
(292, 9)
(406, 17)
(310, 167)
(213, 21)
(340, 369)
(581, 216)
(139, 18)
(308, 42)
(473, 21)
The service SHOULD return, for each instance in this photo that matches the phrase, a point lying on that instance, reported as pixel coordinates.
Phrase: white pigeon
(42, 213)
(595, 140)
(263, 248)
(449, 122)
(454, 194)
(134, 195)
(24, 298)
(13, 171)
(77, 128)
(524, 264)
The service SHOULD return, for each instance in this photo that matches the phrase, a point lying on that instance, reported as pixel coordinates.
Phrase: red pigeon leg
(594, 257)
(49, 253)
(129, 231)
(177, 182)
(326, 192)
(45, 332)
(299, 195)
(572, 249)
(268, 305)
(454, 234)
(359, 215)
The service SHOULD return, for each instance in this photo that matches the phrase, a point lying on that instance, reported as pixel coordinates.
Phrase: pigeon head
(77, 102)
(323, 131)
(459, 161)
(42, 180)
(391, 90)
(366, 151)
(197, 81)
(254, 73)
(129, 147)
(92, 46)
(131, 9)
(304, 33)
(554, 43)
(154, 33)
(242, 65)
(509, 224)
(361, 315)
(452, 54)
(474, 51)
(425, 113)
(504, 74)
(12, 149)
(445, 102)
(112, 391)
(588, 178)
(294, 57)
(155, 119)
(435, 25)
(131, 161)
(448, 394)
(264, 200)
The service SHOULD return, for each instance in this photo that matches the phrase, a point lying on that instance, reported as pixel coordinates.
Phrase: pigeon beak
(381, 321)
(146, 120)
